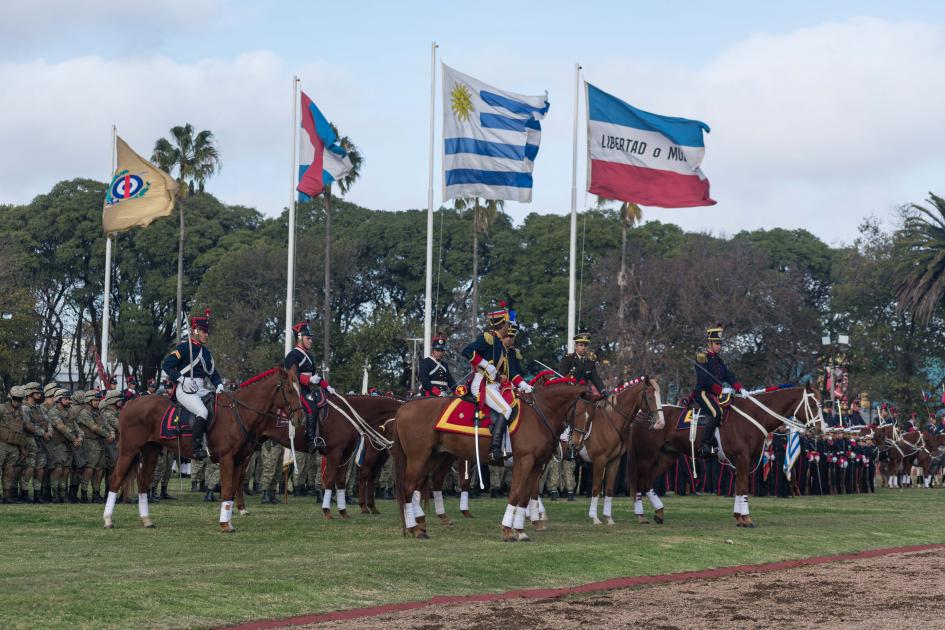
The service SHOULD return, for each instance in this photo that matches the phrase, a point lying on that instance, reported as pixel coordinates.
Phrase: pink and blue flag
(321, 159)
(644, 158)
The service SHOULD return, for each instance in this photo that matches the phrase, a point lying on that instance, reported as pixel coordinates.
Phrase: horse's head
(641, 395)
(809, 410)
(286, 396)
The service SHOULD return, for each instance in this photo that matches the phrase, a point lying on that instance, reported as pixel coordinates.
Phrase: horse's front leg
(513, 523)
(598, 468)
(149, 455)
(240, 472)
(328, 481)
(228, 476)
(742, 479)
(610, 481)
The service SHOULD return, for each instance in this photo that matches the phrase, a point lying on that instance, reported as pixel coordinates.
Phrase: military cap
(50, 389)
(583, 336)
(17, 392)
(438, 342)
(32, 387)
(714, 333)
(303, 329)
(513, 328)
(201, 321)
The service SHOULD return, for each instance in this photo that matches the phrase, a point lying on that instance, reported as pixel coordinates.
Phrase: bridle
(805, 402)
(287, 409)
(569, 417)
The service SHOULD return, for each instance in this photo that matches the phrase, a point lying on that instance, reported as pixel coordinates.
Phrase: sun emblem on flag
(461, 100)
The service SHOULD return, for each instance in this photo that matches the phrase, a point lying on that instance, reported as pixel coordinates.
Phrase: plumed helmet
(438, 342)
(714, 333)
(303, 329)
(498, 316)
(201, 321)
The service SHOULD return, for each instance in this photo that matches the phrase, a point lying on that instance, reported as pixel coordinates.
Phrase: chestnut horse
(605, 434)
(239, 420)
(745, 430)
(542, 417)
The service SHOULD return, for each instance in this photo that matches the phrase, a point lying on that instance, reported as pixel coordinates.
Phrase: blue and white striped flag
(490, 139)
(791, 452)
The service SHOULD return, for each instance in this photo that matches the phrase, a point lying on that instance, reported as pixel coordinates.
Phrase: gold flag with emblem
(138, 194)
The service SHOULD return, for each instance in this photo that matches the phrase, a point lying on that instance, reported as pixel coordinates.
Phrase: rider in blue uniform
(711, 374)
(191, 366)
(435, 377)
(312, 383)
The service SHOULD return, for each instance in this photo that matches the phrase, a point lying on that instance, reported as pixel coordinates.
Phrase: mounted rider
(435, 377)
(515, 357)
(581, 364)
(489, 360)
(711, 374)
(313, 396)
(191, 365)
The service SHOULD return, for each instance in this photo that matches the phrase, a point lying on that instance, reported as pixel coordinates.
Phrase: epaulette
(488, 337)
(591, 356)
(701, 358)
(518, 354)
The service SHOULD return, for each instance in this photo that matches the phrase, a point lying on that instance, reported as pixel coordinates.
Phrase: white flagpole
(108, 268)
(428, 301)
(290, 274)
(572, 285)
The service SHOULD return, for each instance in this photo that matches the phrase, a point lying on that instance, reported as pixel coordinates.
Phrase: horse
(744, 433)
(602, 435)
(900, 448)
(237, 425)
(416, 445)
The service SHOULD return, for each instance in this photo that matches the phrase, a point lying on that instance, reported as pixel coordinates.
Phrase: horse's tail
(400, 464)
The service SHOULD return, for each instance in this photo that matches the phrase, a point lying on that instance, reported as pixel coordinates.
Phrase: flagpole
(290, 274)
(572, 284)
(108, 268)
(428, 301)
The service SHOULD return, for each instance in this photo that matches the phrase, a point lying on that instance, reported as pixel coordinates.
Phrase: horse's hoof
(244, 512)
(226, 528)
(422, 523)
(521, 536)
(508, 534)
(610, 521)
(659, 520)
(467, 514)
(109, 524)
(364, 510)
(374, 510)
(596, 521)
(445, 520)
(147, 523)
(343, 514)
(327, 514)
(738, 525)
(538, 525)
(641, 520)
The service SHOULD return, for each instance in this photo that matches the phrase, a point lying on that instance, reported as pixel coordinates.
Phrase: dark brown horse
(239, 419)
(603, 435)
(417, 444)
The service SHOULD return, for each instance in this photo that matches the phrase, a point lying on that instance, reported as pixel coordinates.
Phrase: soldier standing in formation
(12, 441)
(64, 435)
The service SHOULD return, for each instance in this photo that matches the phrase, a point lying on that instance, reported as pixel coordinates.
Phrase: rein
(237, 403)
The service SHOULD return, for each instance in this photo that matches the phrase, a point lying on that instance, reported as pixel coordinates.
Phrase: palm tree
(922, 260)
(344, 185)
(196, 159)
(485, 212)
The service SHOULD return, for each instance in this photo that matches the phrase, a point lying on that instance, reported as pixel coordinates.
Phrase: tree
(344, 185)
(196, 159)
(921, 250)
(484, 213)
(630, 215)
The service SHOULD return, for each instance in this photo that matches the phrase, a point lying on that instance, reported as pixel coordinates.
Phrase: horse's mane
(630, 383)
(381, 396)
(770, 389)
(259, 377)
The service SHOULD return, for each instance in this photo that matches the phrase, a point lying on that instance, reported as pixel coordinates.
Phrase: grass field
(61, 569)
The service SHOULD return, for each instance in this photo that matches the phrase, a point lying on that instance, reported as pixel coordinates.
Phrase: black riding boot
(707, 447)
(198, 429)
(164, 495)
(498, 433)
(311, 430)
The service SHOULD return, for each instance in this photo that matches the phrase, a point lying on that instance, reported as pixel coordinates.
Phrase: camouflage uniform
(77, 467)
(63, 437)
(12, 441)
(558, 470)
(498, 475)
(34, 456)
(385, 480)
(271, 457)
(93, 445)
(254, 469)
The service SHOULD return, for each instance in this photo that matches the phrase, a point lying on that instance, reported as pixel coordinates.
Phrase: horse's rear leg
(229, 481)
(238, 481)
(415, 473)
(536, 510)
(595, 490)
(465, 475)
(364, 473)
(742, 476)
(340, 499)
(610, 480)
(441, 469)
(149, 455)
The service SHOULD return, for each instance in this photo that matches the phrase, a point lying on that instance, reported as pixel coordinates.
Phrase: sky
(822, 113)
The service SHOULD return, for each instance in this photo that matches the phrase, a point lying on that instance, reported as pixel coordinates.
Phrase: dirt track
(891, 591)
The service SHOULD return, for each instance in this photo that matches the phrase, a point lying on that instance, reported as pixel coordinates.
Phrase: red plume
(502, 303)
(206, 312)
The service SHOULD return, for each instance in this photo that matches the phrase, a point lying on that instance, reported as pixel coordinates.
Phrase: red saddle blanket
(459, 416)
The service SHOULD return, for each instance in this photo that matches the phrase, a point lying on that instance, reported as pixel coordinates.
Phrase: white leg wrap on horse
(738, 504)
(532, 510)
(608, 506)
(519, 518)
(438, 502)
(638, 506)
(464, 500)
(226, 511)
(592, 511)
(340, 498)
(143, 505)
(654, 500)
(928, 482)
(409, 519)
(110, 503)
(509, 517)
(541, 506)
(744, 505)
(417, 510)
(326, 499)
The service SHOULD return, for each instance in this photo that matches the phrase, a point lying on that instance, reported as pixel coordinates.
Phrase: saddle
(177, 419)
(460, 415)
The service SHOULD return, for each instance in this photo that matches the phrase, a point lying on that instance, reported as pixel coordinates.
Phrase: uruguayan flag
(490, 139)
(792, 451)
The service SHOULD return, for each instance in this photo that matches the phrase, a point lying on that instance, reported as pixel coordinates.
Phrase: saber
(548, 368)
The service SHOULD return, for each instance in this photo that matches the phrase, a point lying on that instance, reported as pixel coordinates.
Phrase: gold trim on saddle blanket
(444, 424)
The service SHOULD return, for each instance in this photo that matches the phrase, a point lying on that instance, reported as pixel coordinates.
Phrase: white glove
(330, 390)
(727, 390)
(180, 379)
(525, 387)
(491, 371)
(314, 379)
(220, 388)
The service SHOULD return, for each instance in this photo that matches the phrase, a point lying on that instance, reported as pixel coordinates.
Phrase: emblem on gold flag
(138, 194)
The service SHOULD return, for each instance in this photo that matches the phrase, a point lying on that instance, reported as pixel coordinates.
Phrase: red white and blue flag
(321, 159)
(644, 158)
